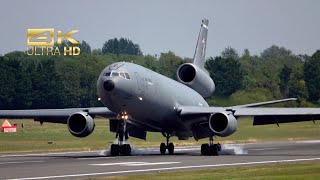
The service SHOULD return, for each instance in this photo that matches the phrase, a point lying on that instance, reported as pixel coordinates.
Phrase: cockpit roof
(115, 66)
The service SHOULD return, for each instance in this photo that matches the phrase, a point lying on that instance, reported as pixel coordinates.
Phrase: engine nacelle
(196, 78)
(80, 124)
(223, 124)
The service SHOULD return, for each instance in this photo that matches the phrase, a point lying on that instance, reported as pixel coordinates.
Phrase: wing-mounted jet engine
(223, 124)
(80, 124)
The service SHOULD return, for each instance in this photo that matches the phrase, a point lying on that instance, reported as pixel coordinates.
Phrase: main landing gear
(210, 149)
(169, 146)
(121, 148)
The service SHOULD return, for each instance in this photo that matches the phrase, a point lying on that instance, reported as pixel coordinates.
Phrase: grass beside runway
(304, 170)
(36, 138)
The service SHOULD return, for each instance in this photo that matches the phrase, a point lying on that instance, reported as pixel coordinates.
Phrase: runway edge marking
(19, 162)
(171, 168)
(46, 154)
(134, 164)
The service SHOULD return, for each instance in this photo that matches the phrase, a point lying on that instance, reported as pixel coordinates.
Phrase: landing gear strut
(121, 148)
(169, 146)
(210, 149)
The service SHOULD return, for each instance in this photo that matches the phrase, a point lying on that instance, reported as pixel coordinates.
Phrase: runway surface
(86, 164)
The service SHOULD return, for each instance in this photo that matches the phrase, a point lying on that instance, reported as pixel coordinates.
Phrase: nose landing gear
(121, 148)
(169, 146)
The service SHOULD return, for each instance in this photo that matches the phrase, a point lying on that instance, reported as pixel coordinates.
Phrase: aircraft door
(140, 90)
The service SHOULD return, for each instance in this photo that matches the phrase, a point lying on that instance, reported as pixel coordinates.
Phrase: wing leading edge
(261, 115)
(266, 103)
(56, 115)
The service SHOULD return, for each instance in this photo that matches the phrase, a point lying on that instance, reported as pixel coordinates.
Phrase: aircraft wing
(266, 103)
(55, 115)
(264, 116)
(261, 115)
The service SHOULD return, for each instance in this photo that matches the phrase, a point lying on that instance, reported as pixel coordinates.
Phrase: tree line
(30, 82)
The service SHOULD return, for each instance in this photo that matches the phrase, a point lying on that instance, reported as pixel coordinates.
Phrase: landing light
(99, 99)
(125, 117)
(140, 98)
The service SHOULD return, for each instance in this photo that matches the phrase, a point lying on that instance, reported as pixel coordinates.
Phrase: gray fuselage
(147, 97)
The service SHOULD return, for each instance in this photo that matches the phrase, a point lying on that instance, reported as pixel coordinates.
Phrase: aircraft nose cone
(108, 85)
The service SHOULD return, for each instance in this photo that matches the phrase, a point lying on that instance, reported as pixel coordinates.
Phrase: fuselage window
(107, 74)
(150, 82)
(127, 75)
(114, 74)
(122, 75)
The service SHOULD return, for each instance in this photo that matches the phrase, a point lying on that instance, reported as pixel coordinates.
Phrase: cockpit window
(114, 74)
(127, 75)
(124, 75)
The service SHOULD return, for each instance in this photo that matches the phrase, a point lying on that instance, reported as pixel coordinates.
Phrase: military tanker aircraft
(138, 100)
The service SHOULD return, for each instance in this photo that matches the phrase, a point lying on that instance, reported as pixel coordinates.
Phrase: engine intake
(196, 78)
(223, 124)
(80, 124)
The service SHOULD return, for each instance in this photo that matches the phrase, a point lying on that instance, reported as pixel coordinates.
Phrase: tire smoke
(233, 149)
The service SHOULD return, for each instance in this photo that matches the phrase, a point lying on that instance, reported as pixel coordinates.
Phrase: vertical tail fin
(194, 74)
(199, 55)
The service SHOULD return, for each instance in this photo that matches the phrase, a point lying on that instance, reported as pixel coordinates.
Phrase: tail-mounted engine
(196, 78)
(80, 124)
(223, 124)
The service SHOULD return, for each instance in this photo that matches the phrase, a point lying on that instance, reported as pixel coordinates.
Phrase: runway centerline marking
(20, 162)
(113, 164)
(134, 164)
(170, 168)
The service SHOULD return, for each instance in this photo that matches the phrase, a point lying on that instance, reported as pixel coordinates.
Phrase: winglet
(200, 52)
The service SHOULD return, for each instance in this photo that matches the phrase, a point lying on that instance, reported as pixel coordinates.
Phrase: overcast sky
(160, 26)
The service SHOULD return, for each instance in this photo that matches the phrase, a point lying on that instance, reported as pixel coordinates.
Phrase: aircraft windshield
(114, 74)
(127, 76)
(124, 75)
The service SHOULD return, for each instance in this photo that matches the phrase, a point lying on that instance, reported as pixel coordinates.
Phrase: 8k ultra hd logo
(41, 42)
